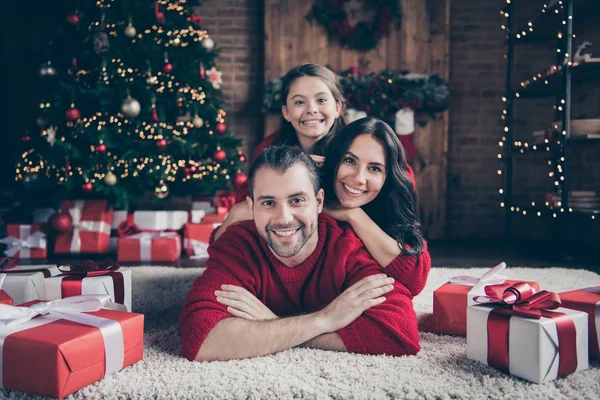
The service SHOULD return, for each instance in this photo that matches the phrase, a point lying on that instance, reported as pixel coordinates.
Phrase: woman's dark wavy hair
(395, 208)
(288, 133)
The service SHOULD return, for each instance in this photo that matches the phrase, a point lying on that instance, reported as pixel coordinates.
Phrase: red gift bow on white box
(15, 319)
(72, 286)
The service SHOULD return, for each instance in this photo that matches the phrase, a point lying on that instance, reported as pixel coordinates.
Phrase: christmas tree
(131, 105)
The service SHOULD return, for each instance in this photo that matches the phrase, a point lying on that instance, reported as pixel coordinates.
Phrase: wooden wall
(421, 45)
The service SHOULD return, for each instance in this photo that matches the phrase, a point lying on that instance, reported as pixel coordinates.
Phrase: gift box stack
(516, 327)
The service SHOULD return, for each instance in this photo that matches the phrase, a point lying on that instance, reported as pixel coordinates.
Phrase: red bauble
(192, 168)
(187, 171)
(168, 68)
(26, 138)
(73, 18)
(219, 155)
(161, 143)
(242, 158)
(239, 179)
(202, 72)
(73, 114)
(101, 148)
(61, 222)
(154, 114)
(87, 187)
(221, 127)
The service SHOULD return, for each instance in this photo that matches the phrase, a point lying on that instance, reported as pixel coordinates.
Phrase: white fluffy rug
(440, 371)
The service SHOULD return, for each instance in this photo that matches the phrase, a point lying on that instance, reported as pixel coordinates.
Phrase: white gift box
(159, 220)
(27, 285)
(533, 345)
(203, 205)
(93, 285)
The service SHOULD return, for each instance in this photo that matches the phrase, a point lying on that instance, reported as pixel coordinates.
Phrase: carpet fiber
(440, 371)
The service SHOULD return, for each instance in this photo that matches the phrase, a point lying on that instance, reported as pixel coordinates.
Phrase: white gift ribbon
(24, 243)
(491, 277)
(16, 319)
(594, 290)
(146, 239)
(199, 249)
(79, 225)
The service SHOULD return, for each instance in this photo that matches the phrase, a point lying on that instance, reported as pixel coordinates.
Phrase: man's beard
(290, 248)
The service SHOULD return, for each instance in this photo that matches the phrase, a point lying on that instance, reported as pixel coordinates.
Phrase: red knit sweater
(241, 257)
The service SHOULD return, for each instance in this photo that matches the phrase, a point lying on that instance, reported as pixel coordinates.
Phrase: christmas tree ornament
(110, 179)
(131, 107)
(241, 157)
(87, 187)
(220, 155)
(239, 179)
(161, 143)
(215, 77)
(151, 80)
(161, 191)
(202, 71)
(47, 69)
(197, 121)
(195, 18)
(193, 168)
(51, 135)
(61, 222)
(168, 68)
(208, 43)
(187, 171)
(74, 64)
(160, 15)
(221, 127)
(100, 42)
(73, 113)
(130, 31)
(154, 113)
(73, 18)
(101, 148)
(26, 138)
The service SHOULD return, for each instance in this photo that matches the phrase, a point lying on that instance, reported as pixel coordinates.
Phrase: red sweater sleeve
(201, 311)
(388, 328)
(411, 175)
(411, 271)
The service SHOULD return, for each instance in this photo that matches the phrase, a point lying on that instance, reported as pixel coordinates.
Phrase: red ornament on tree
(221, 127)
(219, 155)
(101, 148)
(239, 179)
(192, 168)
(73, 113)
(202, 72)
(61, 222)
(26, 138)
(154, 114)
(73, 18)
(87, 187)
(168, 67)
(242, 158)
(187, 171)
(161, 143)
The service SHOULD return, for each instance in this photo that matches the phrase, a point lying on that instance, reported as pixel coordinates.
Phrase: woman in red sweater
(368, 185)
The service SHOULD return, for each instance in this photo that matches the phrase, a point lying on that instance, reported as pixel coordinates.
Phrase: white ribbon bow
(79, 225)
(36, 240)
(491, 277)
(15, 319)
(199, 249)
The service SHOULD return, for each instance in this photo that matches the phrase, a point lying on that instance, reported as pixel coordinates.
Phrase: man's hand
(319, 160)
(349, 305)
(242, 304)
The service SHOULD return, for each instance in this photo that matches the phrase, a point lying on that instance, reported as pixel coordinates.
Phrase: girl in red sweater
(367, 184)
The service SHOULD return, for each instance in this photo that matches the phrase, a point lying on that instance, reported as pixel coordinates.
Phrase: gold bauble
(161, 192)
(110, 179)
(198, 122)
(130, 31)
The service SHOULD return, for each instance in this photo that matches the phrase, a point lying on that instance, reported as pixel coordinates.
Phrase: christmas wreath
(357, 25)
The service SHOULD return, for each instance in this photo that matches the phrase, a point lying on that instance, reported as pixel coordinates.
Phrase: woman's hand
(319, 160)
(338, 212)
(242, 304)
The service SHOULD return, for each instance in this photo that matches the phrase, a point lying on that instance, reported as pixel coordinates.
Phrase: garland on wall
(357, 25)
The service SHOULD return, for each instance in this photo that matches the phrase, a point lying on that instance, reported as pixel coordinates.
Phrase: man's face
(286, 212)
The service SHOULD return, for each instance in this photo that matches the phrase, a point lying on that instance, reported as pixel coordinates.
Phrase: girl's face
(311, 109)
(361, 173)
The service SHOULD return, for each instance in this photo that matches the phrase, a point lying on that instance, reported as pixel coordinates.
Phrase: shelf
(550, 82)
(546, 26)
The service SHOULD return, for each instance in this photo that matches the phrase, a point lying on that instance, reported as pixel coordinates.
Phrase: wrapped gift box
(196, 238)
(214, 219)
(26, 282)
(25, 241)
(150, 246)
(4, 297)
(203, 203)
(450, 301)
(114, 283)
(588, 301)
(91, 227)
(156, 220)
(53, 355)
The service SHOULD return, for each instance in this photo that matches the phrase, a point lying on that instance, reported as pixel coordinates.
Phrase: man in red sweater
(313, 273)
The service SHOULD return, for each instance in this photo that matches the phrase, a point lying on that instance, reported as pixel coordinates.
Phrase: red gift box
(91, 227)
(150, 246)
(588, 301)
(5, 298)
(196, 238)
(57, 354)
(213, 218)
(25, 241)
(450, 301)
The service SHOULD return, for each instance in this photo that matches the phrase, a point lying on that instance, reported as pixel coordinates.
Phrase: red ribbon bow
(128, 227)
(89, 268)
(521, 298)
(8, 263)
(223, 202)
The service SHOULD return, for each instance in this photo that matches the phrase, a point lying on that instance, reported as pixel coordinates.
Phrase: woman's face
(311, 109)
(361, 173)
